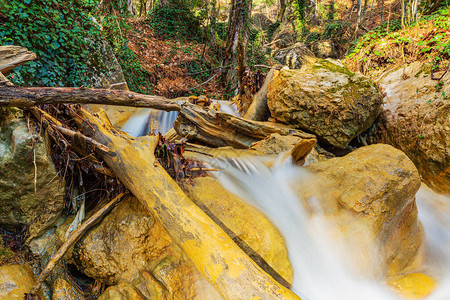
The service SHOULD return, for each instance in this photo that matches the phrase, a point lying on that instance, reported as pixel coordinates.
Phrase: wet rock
(413, 285)
(63, 290)
(294, 56)
(370, 195)
(15, 281)
(246, 225)
(324, 49)
(415, 119)
(325, 99)
(131, 251)
(20, 203)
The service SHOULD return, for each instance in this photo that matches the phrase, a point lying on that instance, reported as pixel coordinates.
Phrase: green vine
(62, 33)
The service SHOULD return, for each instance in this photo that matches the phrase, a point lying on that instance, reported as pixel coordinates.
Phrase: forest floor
(179, 66)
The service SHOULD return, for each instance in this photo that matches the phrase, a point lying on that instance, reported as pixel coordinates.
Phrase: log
(16, 96)
(195, 122)
(218, 129)
(13, 56)
(213, 252)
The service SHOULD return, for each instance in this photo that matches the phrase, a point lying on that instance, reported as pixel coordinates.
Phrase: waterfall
(319, 271)
(140, 122)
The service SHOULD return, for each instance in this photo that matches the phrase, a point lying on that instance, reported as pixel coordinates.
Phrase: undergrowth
(63, 35)
(138, 79)
(390, 45)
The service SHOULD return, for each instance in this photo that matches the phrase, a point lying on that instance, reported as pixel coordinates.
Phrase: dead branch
(89, 140)
(73, 238)
(205, 125)
(208, 127)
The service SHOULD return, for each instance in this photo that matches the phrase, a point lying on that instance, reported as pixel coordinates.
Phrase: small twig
(74, 237)
(72, 134)
(70, 108)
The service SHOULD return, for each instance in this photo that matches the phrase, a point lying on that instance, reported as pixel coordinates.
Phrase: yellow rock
(369, 194)
(246, 223)
(15, 281)
(413, 285)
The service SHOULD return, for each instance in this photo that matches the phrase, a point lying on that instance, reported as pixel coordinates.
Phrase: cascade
(140, 122)
(319, 271)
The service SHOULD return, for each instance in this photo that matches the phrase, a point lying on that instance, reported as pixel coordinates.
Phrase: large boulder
(370, 195)
(416, 119)
(326, 99)
(29, 192)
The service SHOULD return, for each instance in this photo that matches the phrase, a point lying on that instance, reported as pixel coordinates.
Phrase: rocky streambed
(365, 194)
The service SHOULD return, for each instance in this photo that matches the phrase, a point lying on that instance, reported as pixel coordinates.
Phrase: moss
(328, 65)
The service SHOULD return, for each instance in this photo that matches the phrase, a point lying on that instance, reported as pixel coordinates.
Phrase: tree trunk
(213, 252)
(281, 11)
(238, 27)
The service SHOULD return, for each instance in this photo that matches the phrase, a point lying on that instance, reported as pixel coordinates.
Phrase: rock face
(416, 119)
(15, 281)
(294, 56)
(370, 195)
(131, 251)
(326, 99)
(20, 203)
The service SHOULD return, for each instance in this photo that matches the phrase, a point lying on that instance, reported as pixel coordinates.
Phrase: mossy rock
(326, 99)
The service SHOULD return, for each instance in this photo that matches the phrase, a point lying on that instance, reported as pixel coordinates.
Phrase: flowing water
(321, 272)
(141, 122)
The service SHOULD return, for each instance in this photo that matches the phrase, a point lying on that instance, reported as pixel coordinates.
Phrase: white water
(319, 273)
(140, 123)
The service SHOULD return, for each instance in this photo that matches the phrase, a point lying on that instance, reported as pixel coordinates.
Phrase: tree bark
(238, 22)
(16, 96)
(194, 122)
(213, 252)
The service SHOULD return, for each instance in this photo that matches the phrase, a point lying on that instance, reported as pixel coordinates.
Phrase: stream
(323, 268)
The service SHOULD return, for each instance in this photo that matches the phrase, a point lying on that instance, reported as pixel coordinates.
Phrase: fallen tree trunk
(219, 129)
(196, 123)
(212, 251)
(17, 96)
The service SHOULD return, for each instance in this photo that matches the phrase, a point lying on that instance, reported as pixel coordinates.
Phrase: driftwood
(195, 123)
(13, 56)
(73, 238)
(216, 256)
(219, 129)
